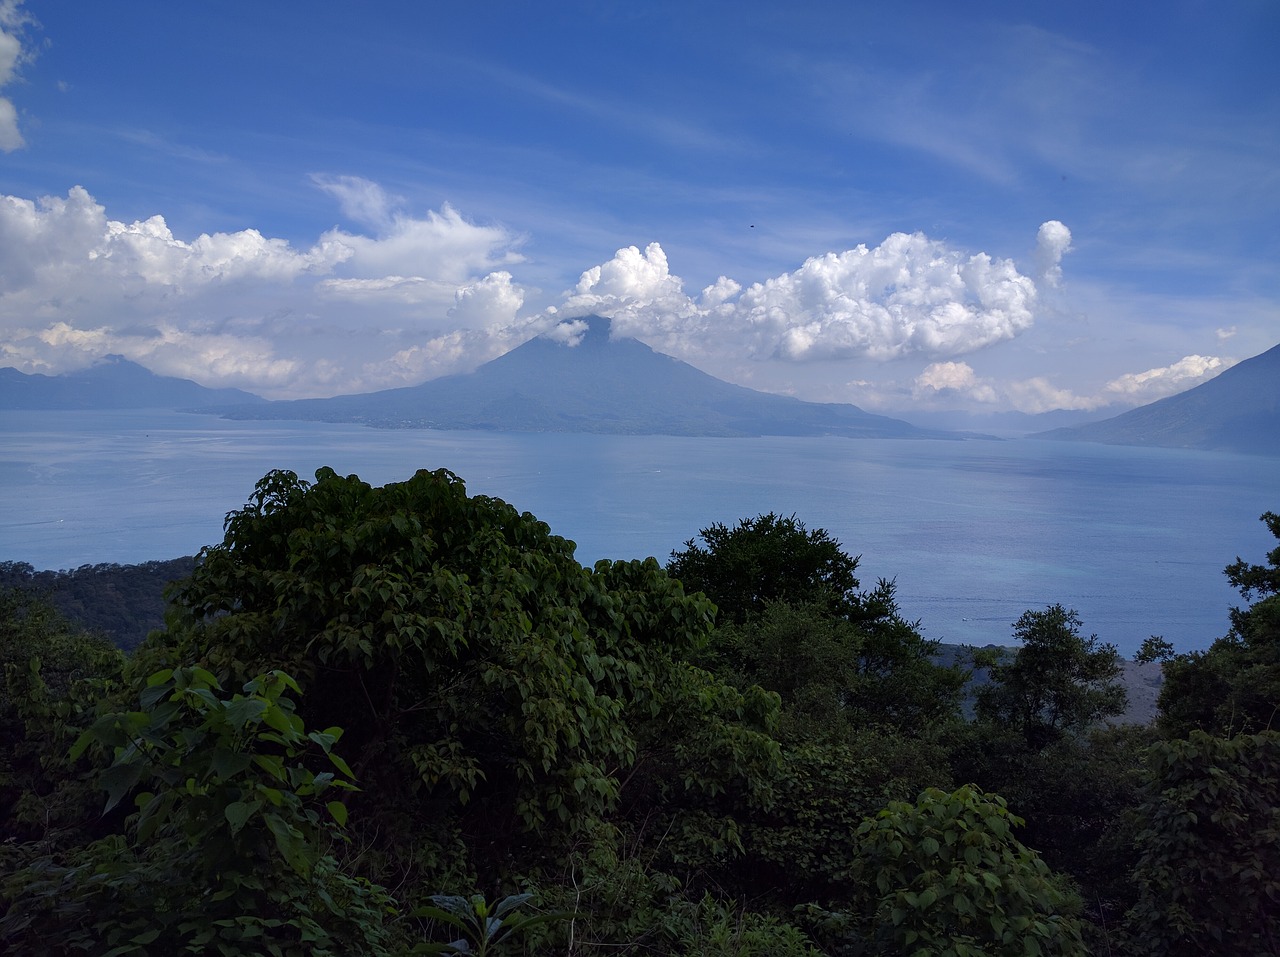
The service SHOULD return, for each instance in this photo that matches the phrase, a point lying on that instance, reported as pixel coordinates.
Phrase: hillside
(1236, 411)
(602, 385)
(112, 382)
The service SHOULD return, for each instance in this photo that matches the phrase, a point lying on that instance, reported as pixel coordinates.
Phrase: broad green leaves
(1209, 877)
(230, 845)
(481, 673)
(949, 877)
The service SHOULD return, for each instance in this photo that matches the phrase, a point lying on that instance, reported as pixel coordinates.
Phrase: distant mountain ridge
(1236, 411)
(600, 385)
(112, 382)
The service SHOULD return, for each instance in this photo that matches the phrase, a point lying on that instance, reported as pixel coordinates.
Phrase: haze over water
(975, 532)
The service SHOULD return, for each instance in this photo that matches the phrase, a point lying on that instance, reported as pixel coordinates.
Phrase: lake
(975, 532)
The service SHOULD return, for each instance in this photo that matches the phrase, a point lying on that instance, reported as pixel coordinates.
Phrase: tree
(1058, 682)
(230, 848)
(50, 674)
(1209, 877)
(947, 876)
(767, 559)
(1234, 686)
(502, 703)
(793, 620)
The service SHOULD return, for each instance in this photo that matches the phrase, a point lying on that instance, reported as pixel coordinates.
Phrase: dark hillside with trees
(122, 602)
(404, 719)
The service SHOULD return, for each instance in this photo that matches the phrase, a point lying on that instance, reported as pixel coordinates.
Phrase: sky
(906, 206)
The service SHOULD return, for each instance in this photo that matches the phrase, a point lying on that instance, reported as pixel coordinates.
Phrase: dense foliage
(373, 711)
(124, 603)
(1234, 686)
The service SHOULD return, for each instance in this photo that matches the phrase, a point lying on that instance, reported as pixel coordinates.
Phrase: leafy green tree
(767, 559)
(803, 847)
(1077, 795)
(1234, 686)
(946, 877)
(1209, 876)
(50, 674)
(1155, 648)
(229, 850)
(794, 621)
(1058, 681)
(121, 602)
(1040, 739)
(504, 704)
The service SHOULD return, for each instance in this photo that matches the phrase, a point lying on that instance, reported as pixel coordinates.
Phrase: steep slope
(600, 385)
(111, 383)
(1236, 411)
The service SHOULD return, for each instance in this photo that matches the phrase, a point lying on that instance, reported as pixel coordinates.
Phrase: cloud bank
(957, 381)
(241, 308)
(397, 297)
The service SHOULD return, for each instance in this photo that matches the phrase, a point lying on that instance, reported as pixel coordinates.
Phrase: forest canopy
(378, 718)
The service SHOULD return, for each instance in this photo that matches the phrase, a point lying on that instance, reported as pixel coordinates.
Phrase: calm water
(974, 532)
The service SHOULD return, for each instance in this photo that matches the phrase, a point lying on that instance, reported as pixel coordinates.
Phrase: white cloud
(244, 308)
(12, 56)
(166, 350)
(958, 381)
(1053, 241)
(489, 301)
(957, 378)
(10, 136)
(1187, 372)
(359, 199)
(1038, 394)
(908, 296)
(631, 281)
(423, 295)
(60, 246)
(441, 246)
(409, 290)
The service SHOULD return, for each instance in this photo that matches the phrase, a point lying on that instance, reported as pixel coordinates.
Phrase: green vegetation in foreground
(405, 720)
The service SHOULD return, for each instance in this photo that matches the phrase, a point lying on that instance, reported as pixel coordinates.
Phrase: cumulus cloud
(1053, 241)
(631, 285)
(244, 308)
(440, 246)
(491, 300)
(397, 296)
(59, 244)
(956, 378)
(1187, 372)
(12, 55)
(908, 296)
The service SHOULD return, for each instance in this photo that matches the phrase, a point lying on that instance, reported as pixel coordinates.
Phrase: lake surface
(975, 532)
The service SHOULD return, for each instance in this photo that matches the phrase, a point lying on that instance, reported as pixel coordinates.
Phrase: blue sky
(911, 205)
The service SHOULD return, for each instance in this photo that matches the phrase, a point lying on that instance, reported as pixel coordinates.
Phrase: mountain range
(1236, 411)
(112, 382)
(622, 386)
(601, 384)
